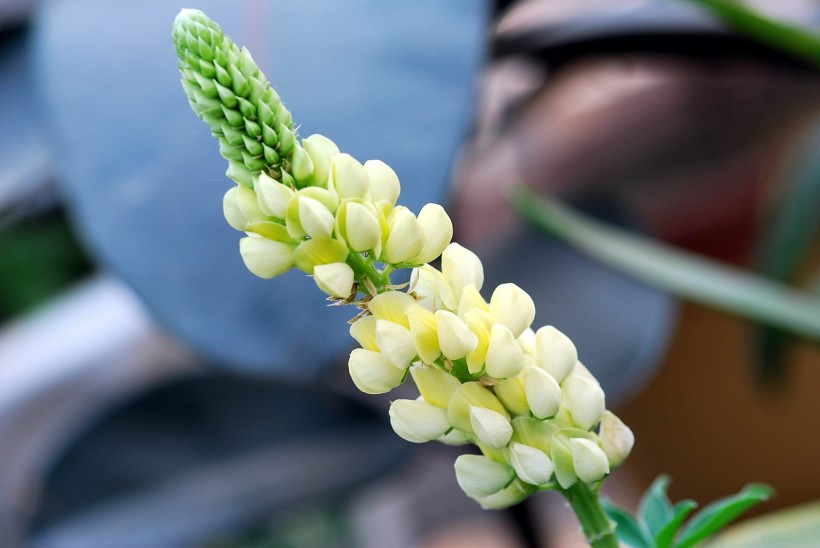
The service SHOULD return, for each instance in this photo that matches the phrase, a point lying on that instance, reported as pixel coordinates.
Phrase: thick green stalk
(598, 529)
(228, 91)
(366, 270)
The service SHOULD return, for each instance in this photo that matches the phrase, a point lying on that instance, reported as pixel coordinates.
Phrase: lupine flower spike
(484, 376)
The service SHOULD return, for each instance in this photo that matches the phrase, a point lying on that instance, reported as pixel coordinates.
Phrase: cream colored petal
(395, 342)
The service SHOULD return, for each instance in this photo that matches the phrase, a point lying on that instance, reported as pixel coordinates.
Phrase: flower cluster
(484, 376)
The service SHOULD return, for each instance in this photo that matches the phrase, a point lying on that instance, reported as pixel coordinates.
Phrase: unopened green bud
(418, 421)
(302, 166)
(335, 279)
(531, 465)
(265, 258)
(372, 373)
(491, 428)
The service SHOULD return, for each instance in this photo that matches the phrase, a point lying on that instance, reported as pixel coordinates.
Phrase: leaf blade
(655, 510)
(629, 531)
(664, 537)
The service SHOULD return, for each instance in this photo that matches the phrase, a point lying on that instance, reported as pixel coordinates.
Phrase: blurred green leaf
(629, 531)
(655, 510)
(720, 513)
(676, 271)
(665, 537)
(38, 259)
(783, 36)
(792, 528)
(788, 238)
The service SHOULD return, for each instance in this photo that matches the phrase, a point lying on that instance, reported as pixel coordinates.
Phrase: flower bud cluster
(485, 377)
(335, 221)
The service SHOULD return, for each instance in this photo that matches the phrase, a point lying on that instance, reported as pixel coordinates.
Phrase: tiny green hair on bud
(228, 91)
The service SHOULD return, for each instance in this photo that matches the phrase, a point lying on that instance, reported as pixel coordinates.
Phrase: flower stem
(598, 529)
(366, 270)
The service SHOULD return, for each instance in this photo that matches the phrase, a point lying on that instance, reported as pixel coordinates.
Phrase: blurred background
(154, 393)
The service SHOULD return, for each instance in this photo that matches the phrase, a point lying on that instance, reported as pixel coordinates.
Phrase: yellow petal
(423, 327)
(391, 306)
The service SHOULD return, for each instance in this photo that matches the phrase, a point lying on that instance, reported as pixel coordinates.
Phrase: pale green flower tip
(230, 208)
(405, 238)
(455, 338)
(492, 428)
(480, 476)
(585, 400)
(321, 150)
(240, 174)
(513, 307)
(273, 197)
(588, 460)
(384, 183)
(543, 392)
(511, 495)
(418, 421)
(315, 218)
(455, 438)
(532, 465)
(301, 166)
(461, 267)
(335, 279)
(349, 176)
(505, 358)
(438, 231)
(372, 373)
(616, 439)
(396, 343)
(554, 352)
(265, 258)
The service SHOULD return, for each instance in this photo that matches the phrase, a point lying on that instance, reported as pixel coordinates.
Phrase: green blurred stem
(675, 271)
(782, 36)
(365, 269)
(598, 529)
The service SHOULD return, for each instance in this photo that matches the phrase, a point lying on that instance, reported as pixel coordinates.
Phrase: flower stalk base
(598, 529)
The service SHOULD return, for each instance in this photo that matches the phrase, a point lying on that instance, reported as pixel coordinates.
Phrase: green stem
(365, 269)
(598, 529)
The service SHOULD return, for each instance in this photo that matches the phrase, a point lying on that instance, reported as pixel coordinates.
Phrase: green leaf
(789, 38)
(794, 527)
(678, 272)
(655, 510)
(664, 537)
(720, 513)
(629, 530)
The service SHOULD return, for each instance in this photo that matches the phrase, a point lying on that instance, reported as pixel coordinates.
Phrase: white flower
(321, 150)
(395, 342)
(301, 165)
(435, 385)
(531, 465)
(616, 438)
(417, 421)
(438, 231)
(492, 428)
(588, 460)
(468, 395)
(405, 237)
(265, 258)
(480, 476)
(384, 183)
(359, 225)
(504, 357)
(454, 337)
(461, 267)
(335, 279)
(372, 372)
(349, 176)
(513, 307)
(543, 392)
(584, 399)
(232, 212)
(424, 328)
(554, 352)
(316, 220)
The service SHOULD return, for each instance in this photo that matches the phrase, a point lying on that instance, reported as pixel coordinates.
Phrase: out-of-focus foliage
(795, 528)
